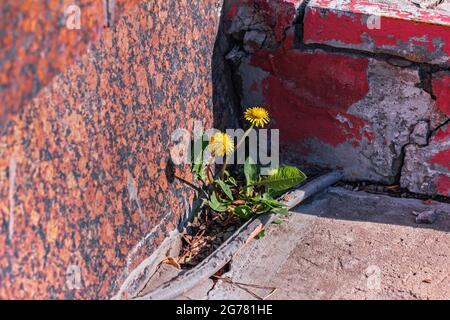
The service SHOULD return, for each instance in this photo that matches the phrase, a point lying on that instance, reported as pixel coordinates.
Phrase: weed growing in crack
(244, 192)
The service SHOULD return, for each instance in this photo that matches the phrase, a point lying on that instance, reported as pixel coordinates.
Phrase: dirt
(204, 235)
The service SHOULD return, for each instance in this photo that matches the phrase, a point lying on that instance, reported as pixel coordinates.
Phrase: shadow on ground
(361, 206)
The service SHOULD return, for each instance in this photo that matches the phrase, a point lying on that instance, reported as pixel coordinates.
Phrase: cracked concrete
(420, 133)
(347, 245)
(371, 133)
(431, 4)
(381, 26)
(427, 168)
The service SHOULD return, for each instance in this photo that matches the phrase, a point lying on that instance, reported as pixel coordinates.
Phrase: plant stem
(244, 136)
(209, 174)
(188, 183)
(224, 166)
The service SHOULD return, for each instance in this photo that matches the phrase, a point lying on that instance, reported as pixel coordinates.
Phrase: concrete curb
(186, 281)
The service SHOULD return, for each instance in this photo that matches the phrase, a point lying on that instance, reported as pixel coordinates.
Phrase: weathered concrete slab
(426, 166)
(394, 27)
(339, 111)
(426, 169)
(348, 245)
(342, 109)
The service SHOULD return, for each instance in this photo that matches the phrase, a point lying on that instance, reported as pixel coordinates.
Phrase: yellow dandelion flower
(257, 116)
(221, 144)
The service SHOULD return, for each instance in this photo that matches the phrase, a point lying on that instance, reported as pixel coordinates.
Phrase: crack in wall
(428, 4)
(298, 25)
(425, 70)
(433, 131)
(400, 161)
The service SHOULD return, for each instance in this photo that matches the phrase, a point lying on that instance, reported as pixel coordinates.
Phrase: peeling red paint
(314, 90)
(442, 134)
(441, 89)
(231, 13)
(391, 9)
(442, 158)
(320, 28)
(300, 121)
(419, 38)
(309, 91)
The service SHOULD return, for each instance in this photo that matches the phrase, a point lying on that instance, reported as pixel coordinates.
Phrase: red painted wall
(343, 84)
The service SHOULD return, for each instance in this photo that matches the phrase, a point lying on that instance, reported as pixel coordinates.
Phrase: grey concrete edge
(218, 259)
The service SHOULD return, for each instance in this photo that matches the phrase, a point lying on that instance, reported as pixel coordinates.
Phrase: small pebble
(425, 217)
